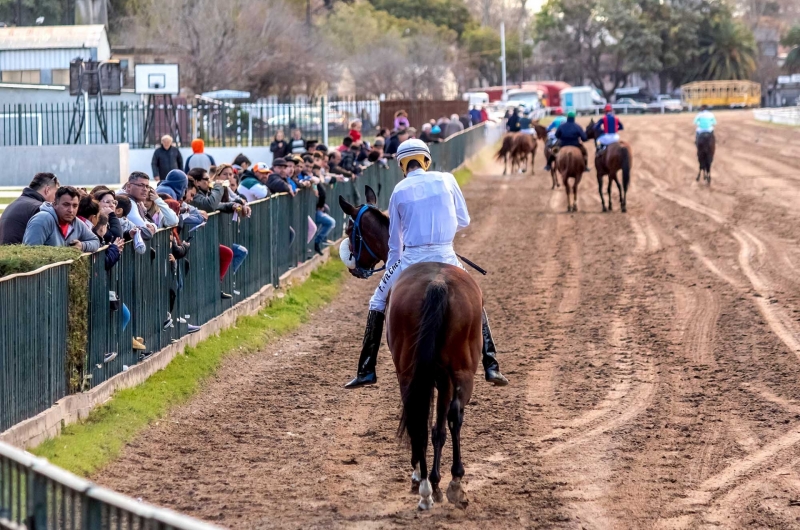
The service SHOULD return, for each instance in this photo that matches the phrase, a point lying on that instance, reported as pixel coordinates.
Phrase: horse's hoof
(425, 503)
(438, 496)
(456, 495)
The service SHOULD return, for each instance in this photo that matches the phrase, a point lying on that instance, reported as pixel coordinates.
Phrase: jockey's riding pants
(411, 255)
(608, 139)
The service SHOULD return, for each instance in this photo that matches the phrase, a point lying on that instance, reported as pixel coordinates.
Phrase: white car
(667, 102)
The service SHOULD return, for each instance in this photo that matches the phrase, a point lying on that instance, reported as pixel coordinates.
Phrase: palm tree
(728, 50)
(792, 64)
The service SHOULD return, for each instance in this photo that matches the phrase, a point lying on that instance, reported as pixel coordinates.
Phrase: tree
(55, 12)
(480, 49)
(727, 48)
(792, 39)
(452, 14)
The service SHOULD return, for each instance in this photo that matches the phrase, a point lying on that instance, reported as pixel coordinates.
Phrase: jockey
(705, 122)
(610, 126)
(570, 133)
(425, 212)
(551, 133)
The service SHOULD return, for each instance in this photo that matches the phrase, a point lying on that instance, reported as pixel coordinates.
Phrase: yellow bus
(733, 94)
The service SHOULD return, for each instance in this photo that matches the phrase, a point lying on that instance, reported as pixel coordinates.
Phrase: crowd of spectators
(180, 196)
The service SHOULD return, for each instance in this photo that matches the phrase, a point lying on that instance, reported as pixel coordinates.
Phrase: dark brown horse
(517, 147)
(615, 158)
(570, 164)
(434, 323)
(706, 146)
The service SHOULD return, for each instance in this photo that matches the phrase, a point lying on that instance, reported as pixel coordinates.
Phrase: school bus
(733, 94)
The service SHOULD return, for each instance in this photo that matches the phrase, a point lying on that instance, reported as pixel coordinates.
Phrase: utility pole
(503, 57)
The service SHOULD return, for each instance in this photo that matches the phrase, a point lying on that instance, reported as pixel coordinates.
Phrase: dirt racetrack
(653, 358)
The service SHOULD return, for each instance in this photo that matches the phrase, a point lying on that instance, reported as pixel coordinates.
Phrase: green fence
(33, 316)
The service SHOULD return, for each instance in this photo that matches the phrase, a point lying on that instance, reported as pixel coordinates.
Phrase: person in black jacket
(108, 205)
(570, 133)
(17, 214)
(166, 158)
(279, 145)
(394, 142)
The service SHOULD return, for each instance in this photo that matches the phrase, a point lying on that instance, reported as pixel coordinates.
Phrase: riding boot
(369, 351)
(585, 163)
(490, 364)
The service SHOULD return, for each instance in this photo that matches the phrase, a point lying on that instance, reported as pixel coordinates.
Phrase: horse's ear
(369, 193)
(347, 208)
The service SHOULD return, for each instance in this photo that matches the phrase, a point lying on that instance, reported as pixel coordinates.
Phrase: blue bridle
(357, 245)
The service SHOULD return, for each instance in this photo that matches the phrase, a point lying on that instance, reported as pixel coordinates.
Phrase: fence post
(250, 126)
(324, 112)
(39, 494)
(239, 126)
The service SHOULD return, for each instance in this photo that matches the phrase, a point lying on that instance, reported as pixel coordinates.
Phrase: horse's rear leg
(505, 165)
(600, 187)
(611, 180)
(455, 418)
(439, 436)
(621, 196)
(425, 490)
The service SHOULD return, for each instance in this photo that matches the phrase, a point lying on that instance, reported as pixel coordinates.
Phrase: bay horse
(571, 165)
(706, 146)
(434, 331)
(615, 158)
(517, 147)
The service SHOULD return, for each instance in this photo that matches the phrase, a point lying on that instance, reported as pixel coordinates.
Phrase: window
(21, 76)
(61, 77)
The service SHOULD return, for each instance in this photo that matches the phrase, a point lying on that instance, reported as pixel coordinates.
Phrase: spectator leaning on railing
(165, 158)
(137, 189)
(253, 184)
(278, 180)
(17, 214)
(57, 225)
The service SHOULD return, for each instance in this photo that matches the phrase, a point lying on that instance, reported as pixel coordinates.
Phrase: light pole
(503, 57)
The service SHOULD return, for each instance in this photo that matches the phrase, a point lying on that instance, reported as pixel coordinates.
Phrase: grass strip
(85, 447)
(463, 175)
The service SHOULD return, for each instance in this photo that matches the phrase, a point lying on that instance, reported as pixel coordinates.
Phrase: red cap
(609, 108)
(558, 111)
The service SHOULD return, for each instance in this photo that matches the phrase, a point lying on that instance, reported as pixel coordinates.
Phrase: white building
(40, 55)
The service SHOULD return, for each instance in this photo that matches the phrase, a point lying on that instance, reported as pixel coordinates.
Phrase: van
(476, 98)
(581, 99)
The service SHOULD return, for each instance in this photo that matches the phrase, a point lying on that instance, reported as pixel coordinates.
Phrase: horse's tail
(625, 155)
(415, 418)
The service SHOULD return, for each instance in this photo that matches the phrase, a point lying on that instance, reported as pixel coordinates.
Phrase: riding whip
(471, 264)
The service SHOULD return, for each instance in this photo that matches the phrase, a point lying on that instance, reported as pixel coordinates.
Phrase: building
(40, 55)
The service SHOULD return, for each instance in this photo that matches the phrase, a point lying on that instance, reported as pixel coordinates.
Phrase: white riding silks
(345, 254)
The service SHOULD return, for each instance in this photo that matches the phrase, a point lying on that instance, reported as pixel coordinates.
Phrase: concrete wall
(139, 159)
(72, 164)
(10, 95)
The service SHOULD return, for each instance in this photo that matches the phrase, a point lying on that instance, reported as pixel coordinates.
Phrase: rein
(358, 245)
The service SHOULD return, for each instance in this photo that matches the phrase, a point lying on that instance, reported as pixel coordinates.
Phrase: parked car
(667, 102)
(629, 106)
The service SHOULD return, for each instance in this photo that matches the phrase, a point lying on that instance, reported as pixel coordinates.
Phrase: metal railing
(37, 495)
(781, 115)
(218, 123)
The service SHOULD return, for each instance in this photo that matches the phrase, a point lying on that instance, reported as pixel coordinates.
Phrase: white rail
(782, 115)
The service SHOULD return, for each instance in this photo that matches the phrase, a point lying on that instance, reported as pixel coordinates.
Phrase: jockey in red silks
(609, 125)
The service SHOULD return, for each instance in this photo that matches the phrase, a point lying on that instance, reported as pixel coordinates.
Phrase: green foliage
(55, 12)
(77, 323)
(85, 447)
(24, 258)
(792, 39)
(452, 14)
(482, 48)
(728, 49)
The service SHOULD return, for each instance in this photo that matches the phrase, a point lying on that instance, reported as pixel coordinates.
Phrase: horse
(434, 331)
(517, 147)
(615, 158)
(706, 146)
(571, 165)
(548, 154)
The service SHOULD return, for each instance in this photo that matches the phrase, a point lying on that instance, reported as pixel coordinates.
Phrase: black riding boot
(490, 364)
(369, 351)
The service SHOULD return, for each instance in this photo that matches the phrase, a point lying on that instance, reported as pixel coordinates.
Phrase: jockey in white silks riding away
(426, 210)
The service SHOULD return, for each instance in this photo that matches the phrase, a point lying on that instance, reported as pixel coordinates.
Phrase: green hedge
(16, 259)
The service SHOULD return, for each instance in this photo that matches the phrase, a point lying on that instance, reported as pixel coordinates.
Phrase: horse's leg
(418, 451)
(600, 188)
(621, 196)
(416, 477)
(566, 188)
(611, 180)
(505, 164)
(575, 194)
(455, 418)
(439, 435)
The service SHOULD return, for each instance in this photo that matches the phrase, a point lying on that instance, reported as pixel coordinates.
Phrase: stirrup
(363, 380)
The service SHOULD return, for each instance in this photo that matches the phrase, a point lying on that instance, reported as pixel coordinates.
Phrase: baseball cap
(279, 162)
(261, 167)
(571, 114)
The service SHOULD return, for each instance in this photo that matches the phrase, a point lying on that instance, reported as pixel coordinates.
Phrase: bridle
(358, 245)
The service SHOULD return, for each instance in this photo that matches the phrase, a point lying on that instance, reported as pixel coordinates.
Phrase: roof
(51, 37)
